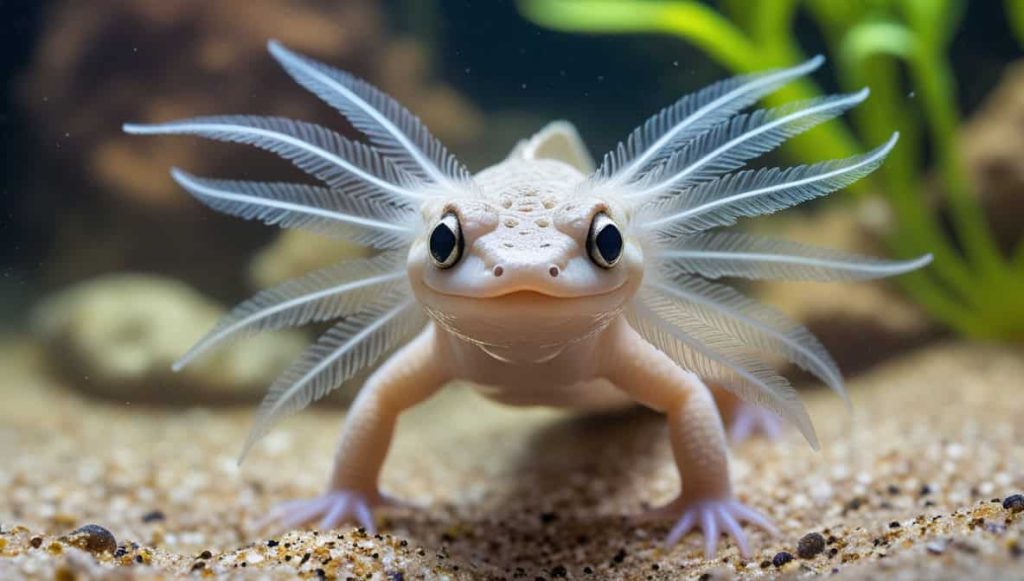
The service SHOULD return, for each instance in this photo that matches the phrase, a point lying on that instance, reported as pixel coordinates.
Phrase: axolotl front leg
(697, 436)
(410, 376)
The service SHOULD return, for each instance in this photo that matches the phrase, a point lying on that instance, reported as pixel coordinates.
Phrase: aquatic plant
(887, 45)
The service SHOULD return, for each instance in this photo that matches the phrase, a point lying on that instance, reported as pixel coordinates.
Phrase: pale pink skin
(526, 315)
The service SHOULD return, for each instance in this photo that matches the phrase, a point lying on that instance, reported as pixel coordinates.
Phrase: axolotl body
(541, 280)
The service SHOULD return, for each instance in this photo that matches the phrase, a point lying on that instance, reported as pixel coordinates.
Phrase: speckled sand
(908, 488)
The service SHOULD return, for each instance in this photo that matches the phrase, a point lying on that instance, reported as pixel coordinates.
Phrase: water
(67, 216)
(111, 271)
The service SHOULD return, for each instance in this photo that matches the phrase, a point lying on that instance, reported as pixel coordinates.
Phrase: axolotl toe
(542, 279)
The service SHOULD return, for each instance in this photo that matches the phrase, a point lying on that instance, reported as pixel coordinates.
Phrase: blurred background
(114, 271)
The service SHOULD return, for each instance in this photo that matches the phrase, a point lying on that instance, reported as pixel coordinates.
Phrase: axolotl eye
(446, 241)
(604, 241)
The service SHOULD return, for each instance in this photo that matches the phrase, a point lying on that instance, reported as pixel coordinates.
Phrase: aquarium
(416, 289)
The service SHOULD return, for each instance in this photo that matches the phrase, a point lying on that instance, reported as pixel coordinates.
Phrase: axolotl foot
(328, 511)
(751, 420)
(714, 517)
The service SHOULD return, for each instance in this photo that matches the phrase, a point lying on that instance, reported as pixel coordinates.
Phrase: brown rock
(811, 545)
(992, 143)
(92, 538)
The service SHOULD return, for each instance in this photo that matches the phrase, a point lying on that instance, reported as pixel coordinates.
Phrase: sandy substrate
(912, 486)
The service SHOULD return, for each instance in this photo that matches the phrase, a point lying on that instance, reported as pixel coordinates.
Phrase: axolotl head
(527, 265)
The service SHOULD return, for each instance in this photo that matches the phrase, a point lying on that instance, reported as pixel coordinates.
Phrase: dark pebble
(781, 558)
(396, 576)
(548, 517)
(154, 516)
(92, 538)
(1014, 503)
(206, 555)
(810, 545)
(272, 543)
(559, 571)
(36, 542)
(620, 556)
(894, 525)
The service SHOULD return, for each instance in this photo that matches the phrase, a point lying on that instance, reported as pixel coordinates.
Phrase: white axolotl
(540, 279)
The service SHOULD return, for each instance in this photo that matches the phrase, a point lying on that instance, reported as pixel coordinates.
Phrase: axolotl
(541, 279)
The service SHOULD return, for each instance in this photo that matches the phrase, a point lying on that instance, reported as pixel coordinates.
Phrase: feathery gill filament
(815, 362)
(279, 401)
(874, 158)
(199, 128)
(188, 182)
(661, 185)
(767, 81)
(289, 59)
(241, 324)
(854, 269)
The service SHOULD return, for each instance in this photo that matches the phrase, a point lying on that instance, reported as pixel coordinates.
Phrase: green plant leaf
(870, 39)
(935, 20)
(1015, 18)
(697, 22)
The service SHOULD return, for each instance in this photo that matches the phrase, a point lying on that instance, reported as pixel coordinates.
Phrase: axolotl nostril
(542, 279)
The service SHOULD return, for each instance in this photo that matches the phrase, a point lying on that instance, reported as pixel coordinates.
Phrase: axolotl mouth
(525, 326)
(536, 295)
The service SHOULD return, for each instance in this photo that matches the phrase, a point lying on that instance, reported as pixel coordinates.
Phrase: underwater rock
(92, 538)
(992, 143)
(1014, 503)
(159, 60)
(118, 335)
(781, 558)
(810, 545)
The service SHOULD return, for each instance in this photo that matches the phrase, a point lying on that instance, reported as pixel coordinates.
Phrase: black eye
(604, 243)
(446, 242)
